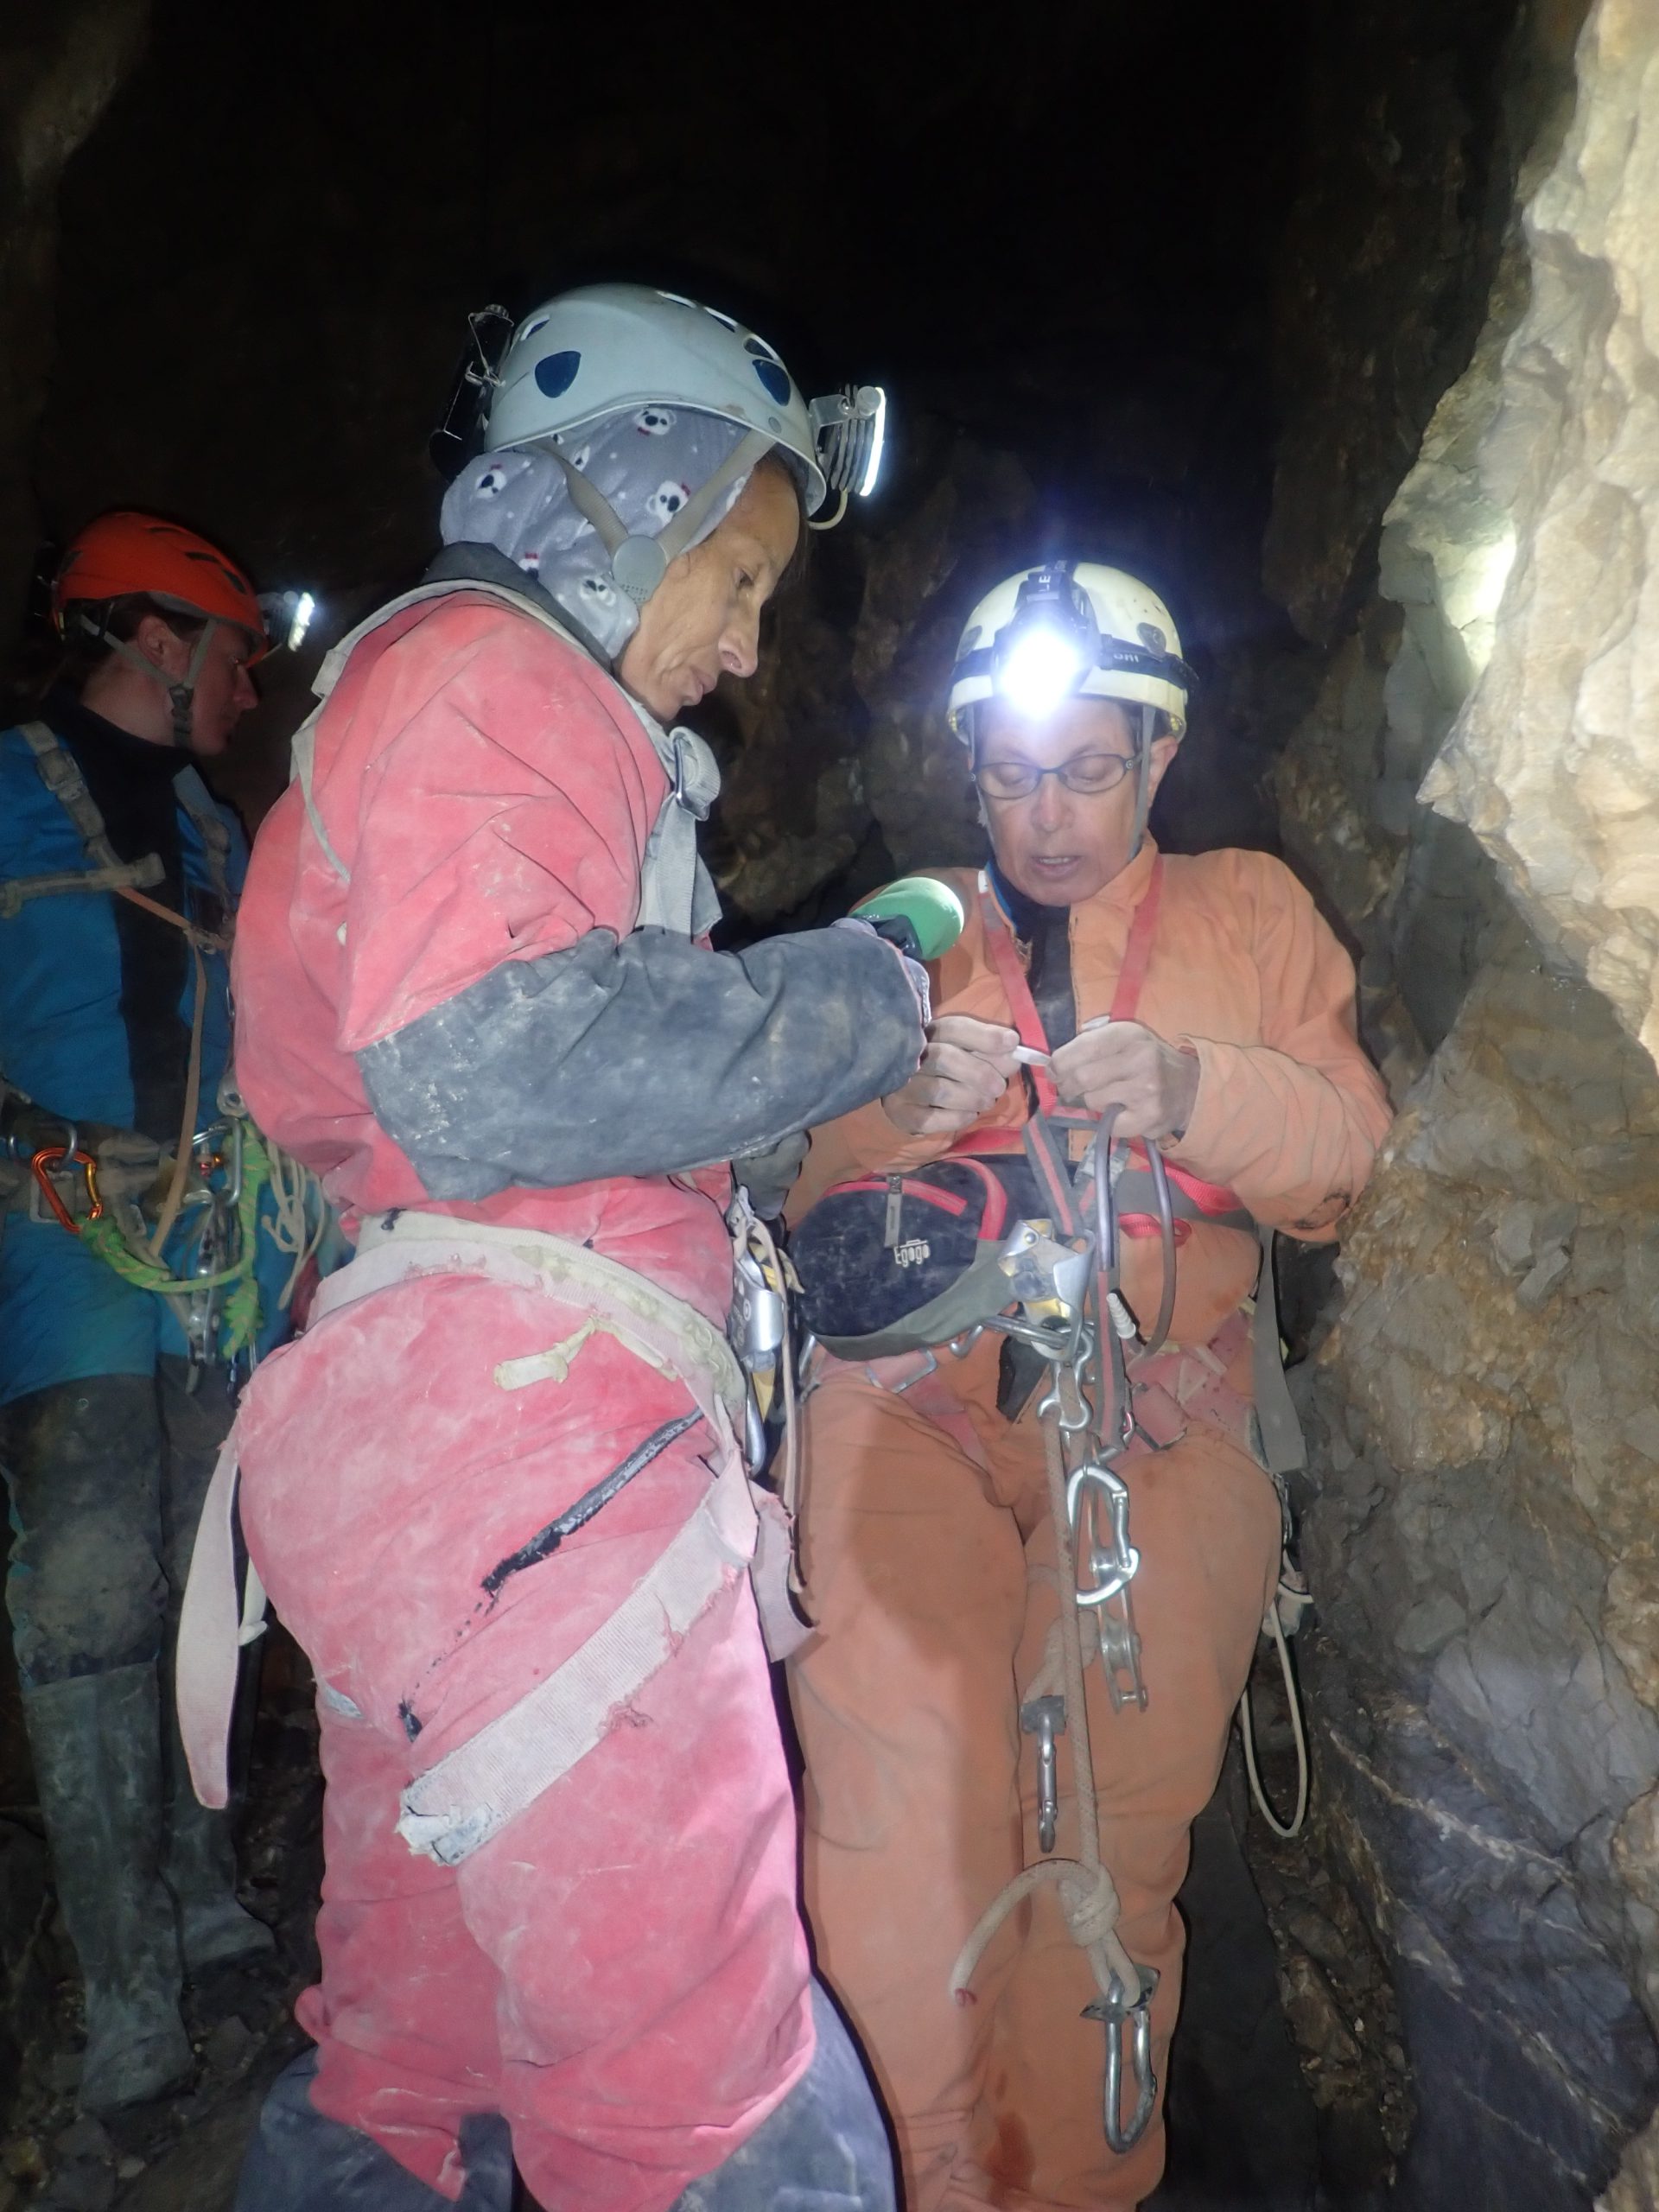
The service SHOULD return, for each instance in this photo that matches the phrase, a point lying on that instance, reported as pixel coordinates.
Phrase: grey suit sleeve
(641, 1056)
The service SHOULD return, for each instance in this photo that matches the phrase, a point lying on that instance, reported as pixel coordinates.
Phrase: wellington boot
(96, 1741)
(199, 1868)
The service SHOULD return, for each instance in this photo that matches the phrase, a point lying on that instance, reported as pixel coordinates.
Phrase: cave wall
(1467, 790)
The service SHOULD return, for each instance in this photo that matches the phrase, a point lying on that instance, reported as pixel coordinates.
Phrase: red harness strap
(1131, 976)
(1208, 1198)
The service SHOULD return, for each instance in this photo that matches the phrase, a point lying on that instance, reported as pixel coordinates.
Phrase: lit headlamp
(1051, 647)
(849, 431)
(288, 617)
(1047, 646)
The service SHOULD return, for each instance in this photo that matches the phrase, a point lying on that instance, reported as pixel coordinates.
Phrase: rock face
(1484, 1680)
(59, 68)
(1553, 762)
(1481, 1543)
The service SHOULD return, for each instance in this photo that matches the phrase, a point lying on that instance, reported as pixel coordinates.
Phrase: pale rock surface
(1554, 761)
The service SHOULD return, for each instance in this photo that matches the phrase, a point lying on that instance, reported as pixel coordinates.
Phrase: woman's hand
(1125, 1063)
(964, 1071)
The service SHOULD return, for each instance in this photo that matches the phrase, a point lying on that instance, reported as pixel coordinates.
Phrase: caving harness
(93, 1182)
(1018, 1232)
(739, 1528)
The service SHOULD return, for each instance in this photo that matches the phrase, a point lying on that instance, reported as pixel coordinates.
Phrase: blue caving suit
(107, 1437)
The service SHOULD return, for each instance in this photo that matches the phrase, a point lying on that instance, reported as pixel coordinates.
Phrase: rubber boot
(300, 2162)
(199, 1868)
(96, 1741)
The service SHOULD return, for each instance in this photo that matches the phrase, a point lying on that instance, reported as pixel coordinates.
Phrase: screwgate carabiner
(1117, 2012)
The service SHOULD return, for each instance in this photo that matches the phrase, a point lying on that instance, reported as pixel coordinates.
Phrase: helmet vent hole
(774, 379)
(557, 373)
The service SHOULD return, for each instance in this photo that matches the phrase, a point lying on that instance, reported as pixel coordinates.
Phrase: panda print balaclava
(647, 462)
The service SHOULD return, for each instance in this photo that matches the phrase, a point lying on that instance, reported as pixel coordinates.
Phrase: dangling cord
(185, 1151)
(1088, 1895)
(1247, 1729)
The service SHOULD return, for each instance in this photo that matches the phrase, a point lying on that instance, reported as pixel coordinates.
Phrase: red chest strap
(1016, 985)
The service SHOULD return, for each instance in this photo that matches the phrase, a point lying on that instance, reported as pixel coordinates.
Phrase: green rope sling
(241, 1321)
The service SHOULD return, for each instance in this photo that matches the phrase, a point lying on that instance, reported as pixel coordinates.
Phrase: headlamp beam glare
(1040, 669)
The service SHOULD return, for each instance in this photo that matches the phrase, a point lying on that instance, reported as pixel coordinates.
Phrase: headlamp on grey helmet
(592, 354)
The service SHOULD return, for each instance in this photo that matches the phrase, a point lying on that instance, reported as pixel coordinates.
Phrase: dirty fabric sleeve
(494, 827)
(640, 1056)
(621, 1971)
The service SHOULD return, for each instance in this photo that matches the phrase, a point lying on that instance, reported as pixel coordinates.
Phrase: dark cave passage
(1326, 324)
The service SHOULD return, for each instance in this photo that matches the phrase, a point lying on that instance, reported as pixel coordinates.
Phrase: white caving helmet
(595, 353)
(1068, 630)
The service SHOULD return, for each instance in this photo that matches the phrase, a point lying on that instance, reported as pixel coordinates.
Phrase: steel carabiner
(1044, 1719)
(1112, 1569)
(1116, 2011)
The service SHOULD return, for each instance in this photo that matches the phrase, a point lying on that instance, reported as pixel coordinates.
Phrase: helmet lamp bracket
(850, 432)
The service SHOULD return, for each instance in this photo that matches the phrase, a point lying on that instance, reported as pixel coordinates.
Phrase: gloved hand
(1125, 1063)
(768, 1177)
(964, 1071)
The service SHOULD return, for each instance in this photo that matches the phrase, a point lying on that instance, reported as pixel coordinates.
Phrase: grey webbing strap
(1135, 1193)
(749, 451)
(62, 775)
(592, 505)
(1283, 1446)
(125, 875)
(197, 801)
(303, 755)
(676, 890)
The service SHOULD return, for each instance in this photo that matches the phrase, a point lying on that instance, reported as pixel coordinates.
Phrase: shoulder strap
(62, 775)
(197, 801)
(676, 891)
(1137, 956)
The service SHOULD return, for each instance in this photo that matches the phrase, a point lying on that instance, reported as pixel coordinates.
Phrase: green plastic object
(931, 908)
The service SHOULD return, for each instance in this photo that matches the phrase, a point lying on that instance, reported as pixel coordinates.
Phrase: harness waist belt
(458, 1804)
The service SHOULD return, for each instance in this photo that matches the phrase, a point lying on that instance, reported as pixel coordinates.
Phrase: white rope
(1247, 1729)
(294, 1190)
(1088, 1896)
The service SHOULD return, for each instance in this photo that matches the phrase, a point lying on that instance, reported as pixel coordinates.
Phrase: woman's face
(1059, 845)
(703, 619)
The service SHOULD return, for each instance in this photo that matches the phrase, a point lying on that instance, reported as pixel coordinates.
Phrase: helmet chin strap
(1143, 778)
(181, 695)
(638, 564)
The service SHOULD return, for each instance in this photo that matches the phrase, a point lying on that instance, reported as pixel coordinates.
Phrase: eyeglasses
(1091, 773)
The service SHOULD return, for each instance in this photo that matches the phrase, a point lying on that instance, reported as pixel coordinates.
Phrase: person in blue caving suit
(119, 875)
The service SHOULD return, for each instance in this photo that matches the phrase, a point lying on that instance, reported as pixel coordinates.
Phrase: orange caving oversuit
(929, 1560)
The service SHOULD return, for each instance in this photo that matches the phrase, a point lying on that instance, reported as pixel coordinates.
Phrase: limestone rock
(59, 68)
(1552, 763)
